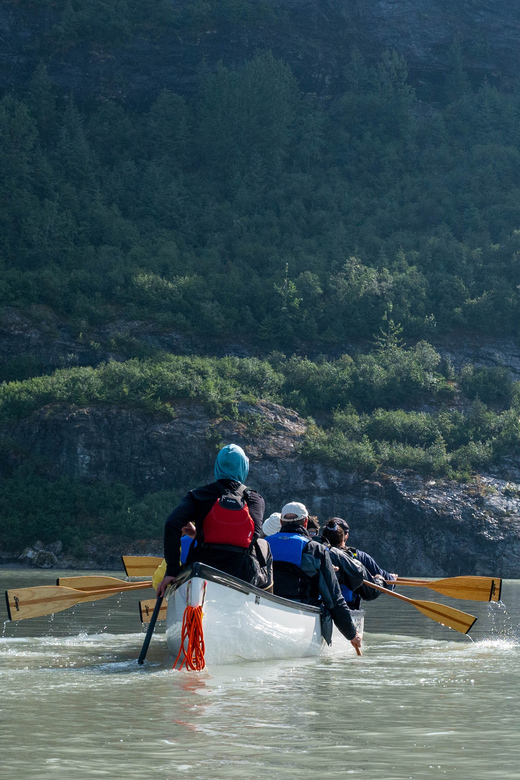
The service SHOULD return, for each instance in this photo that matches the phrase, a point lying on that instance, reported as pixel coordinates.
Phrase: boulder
(44, 560)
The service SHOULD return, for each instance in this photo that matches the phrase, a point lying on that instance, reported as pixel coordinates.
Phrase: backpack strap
(241, 491)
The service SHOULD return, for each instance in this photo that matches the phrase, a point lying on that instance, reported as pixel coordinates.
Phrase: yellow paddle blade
(468, 588)
(140, 565)
(446, 616)
(146, 609)
(95, 583)
(42, 600)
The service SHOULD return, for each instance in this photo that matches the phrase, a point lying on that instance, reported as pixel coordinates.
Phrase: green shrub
(489, 385)
(34, 507)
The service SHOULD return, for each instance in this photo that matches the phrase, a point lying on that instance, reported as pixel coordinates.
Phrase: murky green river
(422, 702)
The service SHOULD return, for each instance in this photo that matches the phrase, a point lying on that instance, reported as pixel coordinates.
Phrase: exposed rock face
(51, 343)
(314, 36)
(483, 351)
(409, 524)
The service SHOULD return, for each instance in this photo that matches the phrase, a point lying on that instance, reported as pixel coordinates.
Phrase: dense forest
(254, 211)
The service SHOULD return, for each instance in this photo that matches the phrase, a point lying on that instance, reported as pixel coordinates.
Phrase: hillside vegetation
(255, 212)
(358, 425)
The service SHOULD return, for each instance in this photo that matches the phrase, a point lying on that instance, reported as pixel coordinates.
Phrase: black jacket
(193, 508)
(372, 569)
(350, 571)
(317, 566)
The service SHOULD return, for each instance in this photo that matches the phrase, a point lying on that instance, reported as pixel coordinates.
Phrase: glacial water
(422, 702)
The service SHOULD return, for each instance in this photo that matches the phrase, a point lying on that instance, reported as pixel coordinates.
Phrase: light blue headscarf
(232, 463)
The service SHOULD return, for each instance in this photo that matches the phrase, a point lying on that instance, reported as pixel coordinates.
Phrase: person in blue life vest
(349, 571)
(188, 537)
(375, 572)
(227, 517)
(273, 524)
(303, 570)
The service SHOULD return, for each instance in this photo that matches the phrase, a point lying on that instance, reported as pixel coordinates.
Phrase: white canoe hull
(243, 623)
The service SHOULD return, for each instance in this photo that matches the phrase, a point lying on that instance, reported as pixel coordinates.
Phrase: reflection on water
(422, 702)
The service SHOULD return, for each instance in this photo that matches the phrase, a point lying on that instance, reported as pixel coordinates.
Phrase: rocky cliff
(315, 37)
(46, 342)
(410, 524)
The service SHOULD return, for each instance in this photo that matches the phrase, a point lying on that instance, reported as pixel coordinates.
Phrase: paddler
(303, 571)
(350, 572)
(272, 525)
(227, 517)
(376, 573)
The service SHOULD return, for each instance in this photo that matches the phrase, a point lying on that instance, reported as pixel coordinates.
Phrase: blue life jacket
(288, 547)
(185, 546)
(348, 595)
(290, 581)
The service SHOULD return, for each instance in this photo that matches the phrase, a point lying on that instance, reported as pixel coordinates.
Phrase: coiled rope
(192, 634)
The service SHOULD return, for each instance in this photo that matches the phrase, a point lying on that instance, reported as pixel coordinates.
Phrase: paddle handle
(150, 631)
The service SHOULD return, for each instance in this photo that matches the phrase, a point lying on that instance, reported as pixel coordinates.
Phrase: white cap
(272, 525)
(295, 508)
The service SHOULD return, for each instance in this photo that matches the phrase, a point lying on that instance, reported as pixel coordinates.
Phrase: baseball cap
(342, 523)
(295, 508)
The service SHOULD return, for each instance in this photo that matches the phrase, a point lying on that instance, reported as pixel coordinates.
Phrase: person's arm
(256, 505)
(375, 570)
(180, 517)
(317, 559)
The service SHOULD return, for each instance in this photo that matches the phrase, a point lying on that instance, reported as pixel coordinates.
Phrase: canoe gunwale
(203, 571)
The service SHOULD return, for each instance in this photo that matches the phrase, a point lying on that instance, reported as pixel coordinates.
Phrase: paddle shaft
(98, 583)
(446, 616)
(389, 592)
(151, 627)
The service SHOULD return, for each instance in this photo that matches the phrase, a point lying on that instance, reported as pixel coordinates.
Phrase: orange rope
(192, 632)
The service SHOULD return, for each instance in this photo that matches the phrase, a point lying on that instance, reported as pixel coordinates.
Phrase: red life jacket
(229, 521)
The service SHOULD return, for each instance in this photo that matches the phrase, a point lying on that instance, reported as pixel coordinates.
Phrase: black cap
(342, 523)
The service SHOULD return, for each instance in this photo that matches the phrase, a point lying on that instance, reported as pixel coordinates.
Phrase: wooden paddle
(151, 626)
(95, 582)
(146, 609)
(47, 599)
(140, 565)
(446, 616)
(469, 588)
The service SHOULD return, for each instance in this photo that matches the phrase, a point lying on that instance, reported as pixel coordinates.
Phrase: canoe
(240, 622)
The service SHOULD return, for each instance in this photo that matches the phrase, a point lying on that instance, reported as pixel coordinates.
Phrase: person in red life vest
(227, 517)
(303, 571)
